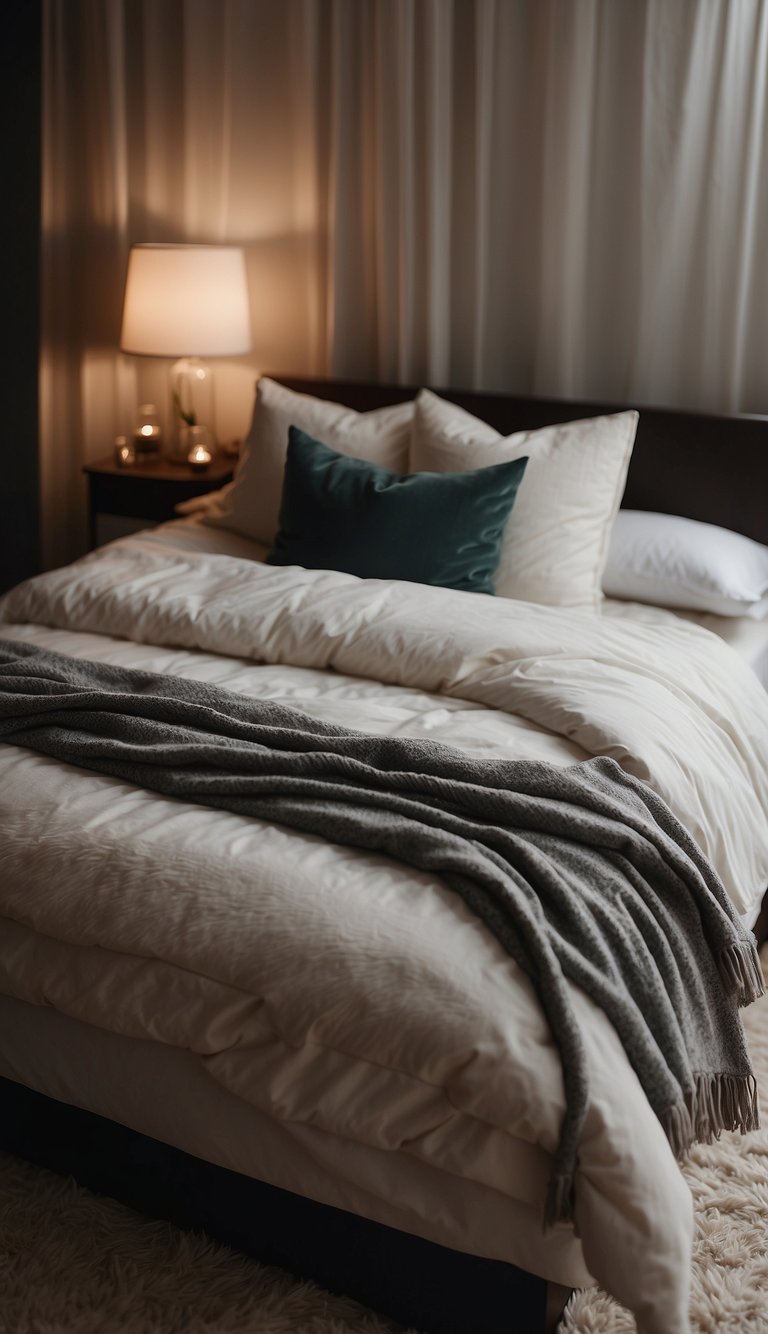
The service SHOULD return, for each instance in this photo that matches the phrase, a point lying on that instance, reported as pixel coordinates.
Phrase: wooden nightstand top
(162, 469)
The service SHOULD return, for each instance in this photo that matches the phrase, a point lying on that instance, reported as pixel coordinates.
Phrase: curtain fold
(555, 196)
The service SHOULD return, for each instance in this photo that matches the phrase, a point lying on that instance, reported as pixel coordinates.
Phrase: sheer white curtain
(563, 196)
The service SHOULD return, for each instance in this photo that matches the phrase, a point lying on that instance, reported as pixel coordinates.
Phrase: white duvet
(340, 991)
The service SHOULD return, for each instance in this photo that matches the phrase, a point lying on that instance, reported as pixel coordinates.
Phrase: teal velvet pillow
(339, 513)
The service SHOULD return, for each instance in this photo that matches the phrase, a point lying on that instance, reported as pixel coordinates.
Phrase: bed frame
(707, 467)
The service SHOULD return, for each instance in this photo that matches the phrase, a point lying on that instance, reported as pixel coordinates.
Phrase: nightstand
(147, 490)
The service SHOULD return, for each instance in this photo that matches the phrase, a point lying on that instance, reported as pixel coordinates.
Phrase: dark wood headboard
(705, 466)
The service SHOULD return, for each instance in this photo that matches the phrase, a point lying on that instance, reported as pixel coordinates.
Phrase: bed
(358, 1083)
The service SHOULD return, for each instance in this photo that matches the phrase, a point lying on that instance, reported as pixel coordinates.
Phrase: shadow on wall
(20, 142)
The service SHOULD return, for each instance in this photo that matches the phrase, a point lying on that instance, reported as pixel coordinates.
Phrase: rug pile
(70, 1261)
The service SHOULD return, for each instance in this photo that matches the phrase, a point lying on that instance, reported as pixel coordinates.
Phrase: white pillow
(556, 541)
(251, 503)
(675, 562)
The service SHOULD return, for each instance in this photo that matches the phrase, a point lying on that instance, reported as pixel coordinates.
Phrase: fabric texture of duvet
(411, 1033)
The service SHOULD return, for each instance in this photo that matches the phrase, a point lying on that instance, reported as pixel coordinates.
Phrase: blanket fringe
(558, 1208)
(739, 966)
(717, 1103)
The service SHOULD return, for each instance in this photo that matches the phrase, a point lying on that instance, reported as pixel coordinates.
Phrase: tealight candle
(199, 458)
(147, 436)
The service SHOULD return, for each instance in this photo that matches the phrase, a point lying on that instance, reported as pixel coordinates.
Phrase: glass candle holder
(199, 442)
(147, 435)
(125, 454)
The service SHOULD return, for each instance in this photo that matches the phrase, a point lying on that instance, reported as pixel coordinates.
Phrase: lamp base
(192, 404)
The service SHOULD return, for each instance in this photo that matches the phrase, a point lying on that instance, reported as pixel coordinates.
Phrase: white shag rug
(70, 1261)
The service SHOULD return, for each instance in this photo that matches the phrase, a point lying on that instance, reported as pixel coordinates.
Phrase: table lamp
(188, 302)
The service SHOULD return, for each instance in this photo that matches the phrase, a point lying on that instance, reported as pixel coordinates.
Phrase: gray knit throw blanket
(582, 874)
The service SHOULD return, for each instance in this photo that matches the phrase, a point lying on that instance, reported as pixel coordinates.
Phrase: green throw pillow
(339, 513)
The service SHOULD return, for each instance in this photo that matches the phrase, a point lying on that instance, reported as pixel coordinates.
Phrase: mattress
(404, 1072)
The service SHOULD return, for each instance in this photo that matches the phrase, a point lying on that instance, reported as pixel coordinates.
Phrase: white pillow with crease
(671, 561)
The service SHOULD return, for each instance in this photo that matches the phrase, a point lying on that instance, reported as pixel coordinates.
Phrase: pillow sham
(671, 561)
(346, 514)
(250, 503)
(555, 548)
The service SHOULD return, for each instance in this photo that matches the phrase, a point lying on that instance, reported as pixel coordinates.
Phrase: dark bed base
(416, 1282)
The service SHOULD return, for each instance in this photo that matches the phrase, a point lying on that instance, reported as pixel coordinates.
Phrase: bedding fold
(582, 873)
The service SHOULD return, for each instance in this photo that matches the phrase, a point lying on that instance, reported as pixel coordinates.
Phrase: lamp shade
(186, 300)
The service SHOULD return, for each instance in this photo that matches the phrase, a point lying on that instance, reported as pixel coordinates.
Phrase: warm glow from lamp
(187, 301)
